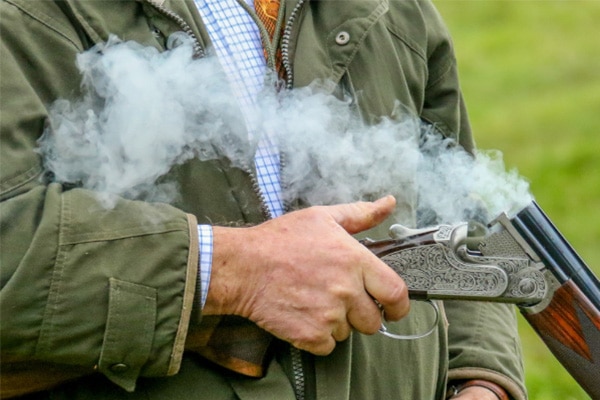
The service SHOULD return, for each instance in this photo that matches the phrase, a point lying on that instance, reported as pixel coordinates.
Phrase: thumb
(360, 216)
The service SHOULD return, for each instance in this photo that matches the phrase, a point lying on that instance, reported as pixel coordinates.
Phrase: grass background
(530, 72)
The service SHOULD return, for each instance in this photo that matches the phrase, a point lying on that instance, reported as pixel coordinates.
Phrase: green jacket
(111, 292)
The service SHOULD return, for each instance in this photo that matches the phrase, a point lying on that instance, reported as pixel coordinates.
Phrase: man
(101, 303)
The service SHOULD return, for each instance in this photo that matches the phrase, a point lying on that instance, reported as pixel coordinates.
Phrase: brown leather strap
(491, 386)
(232, 342)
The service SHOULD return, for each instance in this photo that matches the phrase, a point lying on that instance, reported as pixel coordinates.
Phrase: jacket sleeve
(483, 337)
(484, 344)
(83, 286)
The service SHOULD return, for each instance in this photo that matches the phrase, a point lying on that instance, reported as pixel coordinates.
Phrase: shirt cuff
(205, 245)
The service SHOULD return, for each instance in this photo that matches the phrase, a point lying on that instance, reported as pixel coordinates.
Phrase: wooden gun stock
(569, 325)
(232, 342)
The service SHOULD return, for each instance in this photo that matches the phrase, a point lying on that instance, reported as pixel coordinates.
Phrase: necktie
(268, 11)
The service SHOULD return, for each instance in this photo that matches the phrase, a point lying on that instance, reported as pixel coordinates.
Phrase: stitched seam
(409, 43)
(188, 298)
(117, 235)
(447, 67)
(45, 340)
(47, 21)
(20, 180)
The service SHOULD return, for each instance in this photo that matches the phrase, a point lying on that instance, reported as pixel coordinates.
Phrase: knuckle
(368, 323)
(396, 302)
(320, 344)
(325, 347)
(368, 329)
(398, 293)
(342, 332)
(373, 326)
(343, 292)
(329, 318)
(315, 212)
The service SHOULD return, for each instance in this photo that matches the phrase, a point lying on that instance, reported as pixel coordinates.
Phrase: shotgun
(522, 260)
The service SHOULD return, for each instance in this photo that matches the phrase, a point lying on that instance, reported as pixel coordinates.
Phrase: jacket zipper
(298, 372)
(200, 53)
(285, 44)
(256, 187)
(198, 50)
(285, 56)
(295, 354)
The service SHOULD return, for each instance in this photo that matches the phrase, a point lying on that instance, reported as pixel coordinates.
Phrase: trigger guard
(384, 331)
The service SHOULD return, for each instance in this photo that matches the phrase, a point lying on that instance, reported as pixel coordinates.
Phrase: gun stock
(569, 325)
(568, 321)
(233, 343)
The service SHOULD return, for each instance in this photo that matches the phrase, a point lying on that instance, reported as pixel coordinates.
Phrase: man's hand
(304, 278)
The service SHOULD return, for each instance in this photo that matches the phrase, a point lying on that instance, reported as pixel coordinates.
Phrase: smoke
(142, 112)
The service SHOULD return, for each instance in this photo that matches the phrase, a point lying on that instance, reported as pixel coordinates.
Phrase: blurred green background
(530, 73)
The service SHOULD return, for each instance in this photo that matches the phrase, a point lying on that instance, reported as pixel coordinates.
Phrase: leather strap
(491, 386)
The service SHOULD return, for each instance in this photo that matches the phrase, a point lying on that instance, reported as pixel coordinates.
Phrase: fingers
(360, 216)
(365, 315)
(317, 290)
(380, 281)
(384, 285)
(364, 318)
(341, 331)
(323, 345)
(375, 280)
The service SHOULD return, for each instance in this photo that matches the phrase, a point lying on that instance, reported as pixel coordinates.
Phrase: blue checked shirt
(237, 43)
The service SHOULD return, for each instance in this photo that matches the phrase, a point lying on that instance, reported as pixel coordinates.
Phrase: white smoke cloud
(143, 112)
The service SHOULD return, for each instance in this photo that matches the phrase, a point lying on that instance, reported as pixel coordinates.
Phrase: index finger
(359, 216)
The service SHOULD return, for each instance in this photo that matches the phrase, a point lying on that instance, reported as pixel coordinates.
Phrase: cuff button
(119, 368)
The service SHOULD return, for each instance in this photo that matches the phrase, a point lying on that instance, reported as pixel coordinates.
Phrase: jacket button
(342, 38)
(119, 368)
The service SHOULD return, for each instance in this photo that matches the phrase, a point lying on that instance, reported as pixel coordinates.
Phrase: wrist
(223, 291)
(233, 270)
(494, 388)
